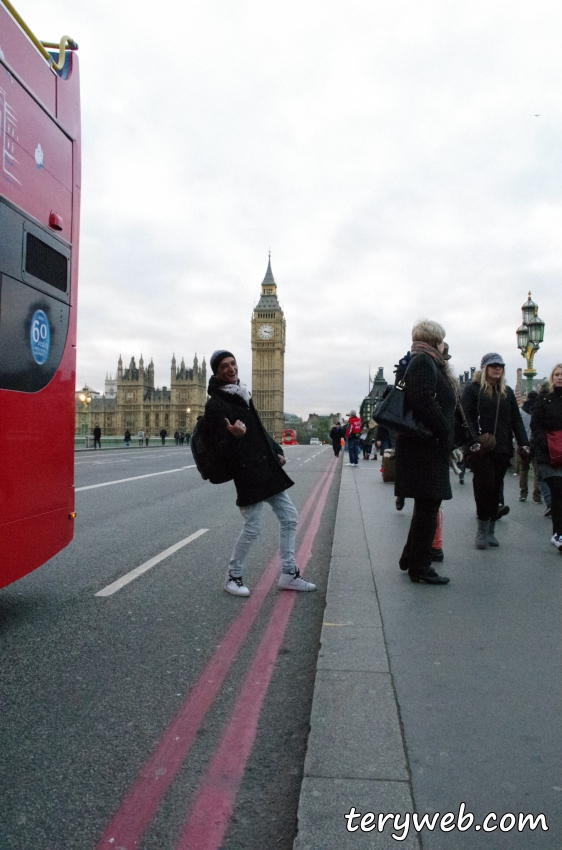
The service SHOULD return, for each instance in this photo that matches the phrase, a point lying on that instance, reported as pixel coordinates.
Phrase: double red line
(212, 807)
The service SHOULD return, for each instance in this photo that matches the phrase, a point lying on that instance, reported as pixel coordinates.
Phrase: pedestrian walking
(525, 464)
(545, 489)
(422, 465)
(494, 419)
(97, 437)
(546, 432)
(140, 435)
(177, 437)
(127, 437)
(146, 437)
(231, 424)
(163, 435)
(353, 434)
(336, 435)
(367, 444)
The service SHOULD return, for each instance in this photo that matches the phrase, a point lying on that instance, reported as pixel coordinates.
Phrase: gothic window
(167, 419)
(157, 420)
(146, 420)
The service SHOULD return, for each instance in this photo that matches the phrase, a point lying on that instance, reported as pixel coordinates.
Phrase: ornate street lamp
(529, 337)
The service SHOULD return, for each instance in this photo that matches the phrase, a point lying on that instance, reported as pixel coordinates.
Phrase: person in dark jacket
(163, 435)
(127, 437)
(97, 437)
(336, 434)
(422, 466)
(526, 411)
(232, 424)
(547, 417)
(491, 409)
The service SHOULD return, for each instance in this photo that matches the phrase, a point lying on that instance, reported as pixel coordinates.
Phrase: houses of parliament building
(132, 402)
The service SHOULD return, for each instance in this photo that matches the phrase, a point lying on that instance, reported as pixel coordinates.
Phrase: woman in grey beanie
(492, 413)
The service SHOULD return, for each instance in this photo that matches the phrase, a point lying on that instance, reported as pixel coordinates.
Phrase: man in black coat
(232, 424)
(336, 434)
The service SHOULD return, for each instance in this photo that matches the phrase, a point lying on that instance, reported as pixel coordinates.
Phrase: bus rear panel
(39, 225)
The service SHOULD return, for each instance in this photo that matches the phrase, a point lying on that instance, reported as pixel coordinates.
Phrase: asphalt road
(167, 714)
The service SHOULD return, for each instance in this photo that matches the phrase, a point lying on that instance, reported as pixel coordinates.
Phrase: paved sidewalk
(425, 696)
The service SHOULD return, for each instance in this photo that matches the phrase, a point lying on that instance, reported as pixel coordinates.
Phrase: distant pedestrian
(231, 424)
(492, 413)
(182, 438)
(422, 466)
(146, 437)
(97, 437)
(366, 444)
(177, 437)
(127, 437)
(187, 437)
(163, 435)
(140, 435)
(353, 434)
(546, 430)
(336, 435)
(526, 411)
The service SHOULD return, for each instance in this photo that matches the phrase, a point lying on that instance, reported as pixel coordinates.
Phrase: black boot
(429, 577)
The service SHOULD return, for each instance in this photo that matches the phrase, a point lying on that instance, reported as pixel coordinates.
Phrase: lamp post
(86, 399)
(529, 337)
(188, 411)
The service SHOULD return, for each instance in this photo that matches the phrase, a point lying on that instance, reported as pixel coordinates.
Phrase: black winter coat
(546, 416)
(336, 434)
(422, 466)
(480, 411)
(257, 471)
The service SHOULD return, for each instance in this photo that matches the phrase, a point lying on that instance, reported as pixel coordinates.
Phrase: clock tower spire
(268, 356)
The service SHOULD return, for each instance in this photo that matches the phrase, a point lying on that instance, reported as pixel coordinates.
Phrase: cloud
(388, 153)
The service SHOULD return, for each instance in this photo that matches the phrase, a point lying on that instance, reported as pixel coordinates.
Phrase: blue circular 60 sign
(40, 337)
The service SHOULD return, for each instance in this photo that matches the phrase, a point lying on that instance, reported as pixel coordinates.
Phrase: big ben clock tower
(268, 356)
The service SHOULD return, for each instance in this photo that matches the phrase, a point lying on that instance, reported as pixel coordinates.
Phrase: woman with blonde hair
(492, 414)
(422, 465)
(546, 429)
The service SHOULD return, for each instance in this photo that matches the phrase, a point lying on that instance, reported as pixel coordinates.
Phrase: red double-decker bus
(289, 437)
(39, 223)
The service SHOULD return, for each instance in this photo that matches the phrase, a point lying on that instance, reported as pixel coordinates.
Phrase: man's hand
(237, 430)
(282, 460)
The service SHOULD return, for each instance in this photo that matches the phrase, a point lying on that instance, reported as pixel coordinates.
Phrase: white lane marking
(134, 478)
(129, 459)
(138, 571)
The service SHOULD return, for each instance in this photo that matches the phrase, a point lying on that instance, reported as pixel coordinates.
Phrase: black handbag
(391, 413)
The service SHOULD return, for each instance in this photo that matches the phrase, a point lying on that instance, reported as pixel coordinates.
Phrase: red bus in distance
(289, 437)
(39, 224)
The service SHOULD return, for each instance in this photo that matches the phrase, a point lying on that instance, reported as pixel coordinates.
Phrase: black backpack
(211, 464)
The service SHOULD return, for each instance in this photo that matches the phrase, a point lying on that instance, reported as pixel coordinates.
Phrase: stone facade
(268, 357)
(138, 404)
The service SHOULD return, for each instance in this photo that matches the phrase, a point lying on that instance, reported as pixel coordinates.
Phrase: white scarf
(238, 389)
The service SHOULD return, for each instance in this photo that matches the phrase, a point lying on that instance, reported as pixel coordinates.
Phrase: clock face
(265, 331)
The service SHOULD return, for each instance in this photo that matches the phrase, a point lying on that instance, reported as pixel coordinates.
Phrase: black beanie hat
(216, 358)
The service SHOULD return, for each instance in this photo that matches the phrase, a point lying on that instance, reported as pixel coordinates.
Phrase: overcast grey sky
(389, 153)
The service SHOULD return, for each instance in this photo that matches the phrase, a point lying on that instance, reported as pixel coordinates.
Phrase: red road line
(206, 823)
(141, 803)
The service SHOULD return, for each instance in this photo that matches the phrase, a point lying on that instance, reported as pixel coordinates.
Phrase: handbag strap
(497, 413)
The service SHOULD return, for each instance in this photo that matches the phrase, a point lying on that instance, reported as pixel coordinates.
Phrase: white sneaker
(235, 586)
(557, 541)
(350, 464)
(293, 581)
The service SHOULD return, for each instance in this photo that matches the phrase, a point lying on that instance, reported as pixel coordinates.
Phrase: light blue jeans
(287, 515)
